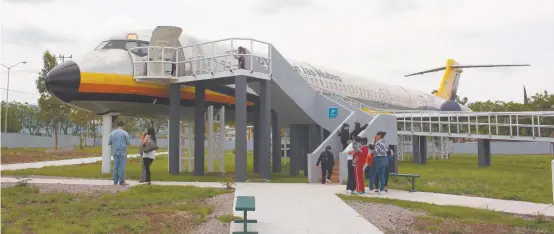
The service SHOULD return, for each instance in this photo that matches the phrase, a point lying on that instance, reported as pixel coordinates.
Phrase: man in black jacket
(344, 135)
(357, 130)
(327, 163)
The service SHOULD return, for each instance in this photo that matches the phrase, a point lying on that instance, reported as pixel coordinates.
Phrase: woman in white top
(148, 157)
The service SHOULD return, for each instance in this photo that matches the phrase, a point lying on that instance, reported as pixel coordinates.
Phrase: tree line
(51, 117)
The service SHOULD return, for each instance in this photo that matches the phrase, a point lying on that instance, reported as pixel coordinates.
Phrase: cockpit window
(125, 45)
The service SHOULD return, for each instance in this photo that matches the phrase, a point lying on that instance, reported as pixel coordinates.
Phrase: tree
(31, 121)
(52, 110)
(157, 123)
(14, 118)
(82, 119)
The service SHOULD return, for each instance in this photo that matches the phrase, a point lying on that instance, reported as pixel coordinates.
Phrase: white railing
(156, 62)
(534, 126)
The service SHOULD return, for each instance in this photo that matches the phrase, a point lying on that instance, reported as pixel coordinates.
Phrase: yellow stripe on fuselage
(127, 80)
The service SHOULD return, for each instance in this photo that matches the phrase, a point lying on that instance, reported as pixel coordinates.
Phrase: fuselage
(103, 82)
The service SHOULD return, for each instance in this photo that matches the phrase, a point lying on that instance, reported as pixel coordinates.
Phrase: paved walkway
(509, 206)
(300, 208)
(75, 161)
(314, 208)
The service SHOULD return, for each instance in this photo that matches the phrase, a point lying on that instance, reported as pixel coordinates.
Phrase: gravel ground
(74, 188)
(223, 204)
(388, 218)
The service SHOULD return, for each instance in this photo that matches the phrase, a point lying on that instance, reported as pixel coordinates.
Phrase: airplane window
(102, 44)
(124, 45)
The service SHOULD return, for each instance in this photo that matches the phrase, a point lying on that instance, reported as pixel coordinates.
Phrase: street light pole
(8, 93)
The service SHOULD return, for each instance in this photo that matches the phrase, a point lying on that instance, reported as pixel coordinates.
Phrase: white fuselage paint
(371, 92)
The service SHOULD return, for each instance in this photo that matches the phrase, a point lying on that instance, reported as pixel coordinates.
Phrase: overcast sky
(377, 39)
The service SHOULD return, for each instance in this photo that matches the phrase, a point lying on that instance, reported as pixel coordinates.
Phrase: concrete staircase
(335, 178)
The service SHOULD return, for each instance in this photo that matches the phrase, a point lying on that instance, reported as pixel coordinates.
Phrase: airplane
(102, 82)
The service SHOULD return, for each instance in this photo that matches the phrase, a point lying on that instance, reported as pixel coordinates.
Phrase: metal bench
(245, 204)
(411, 178)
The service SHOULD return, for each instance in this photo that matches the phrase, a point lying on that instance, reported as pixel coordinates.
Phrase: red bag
(369, 160)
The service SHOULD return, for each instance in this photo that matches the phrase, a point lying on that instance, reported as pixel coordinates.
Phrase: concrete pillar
(256, 139)
(276, 143)
(240, 129)
(106, 148)
(174, 128)
(419, 149)
(264, 162)
(199, 129)
(484, 152)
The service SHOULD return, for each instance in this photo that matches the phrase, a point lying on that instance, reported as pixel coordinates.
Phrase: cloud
(276, 6)
(33, 36)
(28, 1)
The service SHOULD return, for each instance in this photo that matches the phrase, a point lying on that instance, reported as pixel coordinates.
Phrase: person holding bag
(149, 147)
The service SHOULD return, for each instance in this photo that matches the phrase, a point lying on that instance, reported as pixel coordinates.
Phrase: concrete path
(75, 161)
(509, 206)
(299, 209)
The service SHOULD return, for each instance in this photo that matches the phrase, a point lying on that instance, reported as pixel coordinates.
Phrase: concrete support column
(419, 149)
(484, 152)
(276, 143)
(106, 148)
(256, 138)
(264, 162)
(199, 129)
(315, 136)
(240, 129)
(174, 128)
(299, 147)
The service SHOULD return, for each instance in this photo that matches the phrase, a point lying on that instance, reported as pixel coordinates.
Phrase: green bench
(411, 178)
(245, 204)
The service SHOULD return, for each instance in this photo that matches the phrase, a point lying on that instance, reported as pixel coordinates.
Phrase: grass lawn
(457, 219)
(141, 209)
(25, 155)
(159, 171)
(510, 177)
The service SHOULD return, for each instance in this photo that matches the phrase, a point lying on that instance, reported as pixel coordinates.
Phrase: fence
(14, 140)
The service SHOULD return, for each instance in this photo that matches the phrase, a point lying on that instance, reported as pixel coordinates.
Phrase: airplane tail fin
(451, 78)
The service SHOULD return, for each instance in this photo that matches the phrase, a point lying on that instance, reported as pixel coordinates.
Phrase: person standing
(327, 163)
(379, 161)
(143, 172)
(150, 146)
(119, 140)
(360, 161)
(390, 158)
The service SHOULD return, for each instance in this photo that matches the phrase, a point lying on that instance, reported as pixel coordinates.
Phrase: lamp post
(8, 92)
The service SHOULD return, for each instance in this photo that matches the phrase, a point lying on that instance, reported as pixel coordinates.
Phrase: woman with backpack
(149, 147)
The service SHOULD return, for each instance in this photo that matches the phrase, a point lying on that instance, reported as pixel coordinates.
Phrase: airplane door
(163, 36)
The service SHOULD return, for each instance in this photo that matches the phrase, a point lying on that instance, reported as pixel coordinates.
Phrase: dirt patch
(222, 205)
(388, 218)
(35, 155)
(74, 188)
(177, 222)
(394, 219)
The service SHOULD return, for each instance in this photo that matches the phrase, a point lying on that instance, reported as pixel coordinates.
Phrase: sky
(376, 39)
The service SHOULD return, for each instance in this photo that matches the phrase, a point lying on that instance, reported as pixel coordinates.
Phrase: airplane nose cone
(63, 81)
